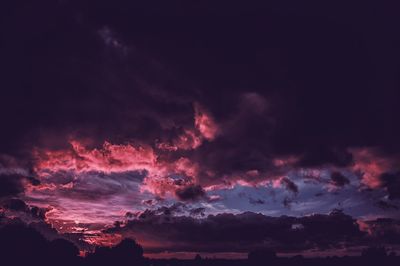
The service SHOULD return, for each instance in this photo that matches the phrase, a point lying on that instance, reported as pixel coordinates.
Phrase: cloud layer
(231, 110)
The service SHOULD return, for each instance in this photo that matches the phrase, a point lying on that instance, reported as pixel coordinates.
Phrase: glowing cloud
(110, 158)
(162, 177)
(371, 166)
(205, 123)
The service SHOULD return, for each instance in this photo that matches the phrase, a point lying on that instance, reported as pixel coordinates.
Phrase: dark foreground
(21, 245)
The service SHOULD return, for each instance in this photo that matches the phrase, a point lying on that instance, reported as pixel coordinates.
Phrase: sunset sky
(202, 127)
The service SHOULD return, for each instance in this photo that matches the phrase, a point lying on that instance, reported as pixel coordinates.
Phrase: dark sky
(196, 126)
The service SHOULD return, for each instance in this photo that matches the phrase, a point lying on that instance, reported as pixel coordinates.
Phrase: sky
(202, 127)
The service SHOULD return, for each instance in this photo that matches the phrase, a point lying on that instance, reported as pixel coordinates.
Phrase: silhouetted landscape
(22, 245)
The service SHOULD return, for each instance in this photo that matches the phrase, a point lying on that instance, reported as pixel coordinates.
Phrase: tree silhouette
(63, 251)
(22, 245)
(127, 252)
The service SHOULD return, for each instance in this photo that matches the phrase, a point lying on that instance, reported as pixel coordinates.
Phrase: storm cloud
(111, 109)
(248, 231)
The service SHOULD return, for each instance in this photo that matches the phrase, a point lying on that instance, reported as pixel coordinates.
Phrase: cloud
(143, 93)
(10, 185)
(176, 209)
(256, 201)
(13, 184)
(110, 158)
(290, 185)
(197, 211)
(371, 164)
(205, 123)
(339, 180)
(159, 175)
(190, 193)
(242, 232)
(391, 182)
(385, 205)
(15, 205)
(108, 116)
(326, 156)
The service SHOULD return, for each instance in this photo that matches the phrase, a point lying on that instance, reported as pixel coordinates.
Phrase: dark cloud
(256, 201)
(13, 184)
(197, 211)
(290, 185)
(10, 185)
(39, 213)
(339, 180)
(387, 205)
(69, 85)
(95, 74)
(391, 182)
(15, 205)
(287, 201)
(190, 193)
(223, 232)
(176, 209)
(253, 201)
(328, 155)
(15, 210)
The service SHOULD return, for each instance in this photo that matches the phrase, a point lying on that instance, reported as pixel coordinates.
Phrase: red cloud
(371, 165)
(191, 138)
(188, 140)
(111, 158)
(205, 123)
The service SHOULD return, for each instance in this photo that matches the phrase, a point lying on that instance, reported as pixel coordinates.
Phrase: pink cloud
(204, 127)
(371, 165)
(205, 123)
(112, 158)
